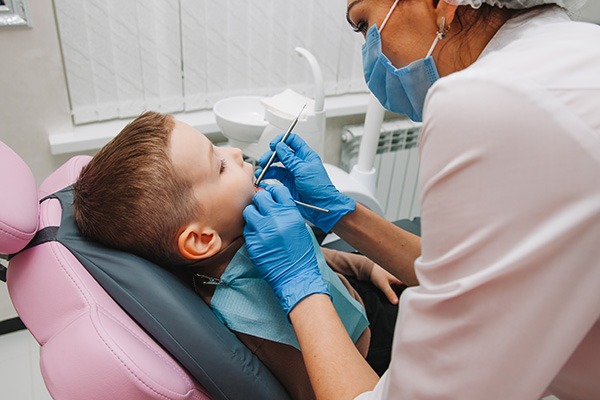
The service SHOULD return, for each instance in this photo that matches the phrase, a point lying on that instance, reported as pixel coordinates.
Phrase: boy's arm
(349, 264)
(363, 269)
(285, 363)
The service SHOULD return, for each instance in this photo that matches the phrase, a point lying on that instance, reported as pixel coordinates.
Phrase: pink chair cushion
(63, 176)
(18, 203)
(91, 349)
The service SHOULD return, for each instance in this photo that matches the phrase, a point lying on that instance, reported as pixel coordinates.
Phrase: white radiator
(396, 162)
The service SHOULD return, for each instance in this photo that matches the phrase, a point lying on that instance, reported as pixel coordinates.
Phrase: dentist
(505, 301)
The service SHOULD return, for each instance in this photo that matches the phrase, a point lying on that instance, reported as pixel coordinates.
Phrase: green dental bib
(245, 303)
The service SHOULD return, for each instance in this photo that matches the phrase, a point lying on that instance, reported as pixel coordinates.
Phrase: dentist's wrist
(297, 289)
(341, 206)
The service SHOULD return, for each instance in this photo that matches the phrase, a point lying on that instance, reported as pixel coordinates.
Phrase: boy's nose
(237, 155)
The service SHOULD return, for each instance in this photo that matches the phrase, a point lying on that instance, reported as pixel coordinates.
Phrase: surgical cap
(519, 4)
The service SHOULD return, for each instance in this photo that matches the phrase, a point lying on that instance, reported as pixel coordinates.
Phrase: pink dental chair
(111, 325)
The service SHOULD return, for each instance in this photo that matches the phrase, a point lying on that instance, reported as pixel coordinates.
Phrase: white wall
(33, 97)
(589, 12)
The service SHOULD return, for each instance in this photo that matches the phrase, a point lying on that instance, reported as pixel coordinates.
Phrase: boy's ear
(198, 243)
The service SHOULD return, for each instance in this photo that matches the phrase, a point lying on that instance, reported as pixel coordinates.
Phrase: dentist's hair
(130, 198)
(471, 20)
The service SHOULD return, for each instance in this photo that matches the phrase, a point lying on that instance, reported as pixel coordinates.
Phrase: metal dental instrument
(311, 206)
(272, 158)
(283, 139)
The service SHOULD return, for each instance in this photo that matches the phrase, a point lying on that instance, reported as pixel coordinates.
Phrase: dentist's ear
(197, 243)
(446, 10)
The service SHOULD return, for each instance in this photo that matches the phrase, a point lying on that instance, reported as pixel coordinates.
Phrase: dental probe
(302, 204)
(283, 139)
(311, 206)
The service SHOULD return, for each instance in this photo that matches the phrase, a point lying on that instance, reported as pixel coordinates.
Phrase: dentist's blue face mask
(400, 90)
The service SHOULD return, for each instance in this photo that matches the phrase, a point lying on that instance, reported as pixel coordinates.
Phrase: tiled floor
(20, 376)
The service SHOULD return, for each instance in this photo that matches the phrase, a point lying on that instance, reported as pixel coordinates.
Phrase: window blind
(124, 57)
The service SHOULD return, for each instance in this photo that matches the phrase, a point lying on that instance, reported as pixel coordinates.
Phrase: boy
(161, 190)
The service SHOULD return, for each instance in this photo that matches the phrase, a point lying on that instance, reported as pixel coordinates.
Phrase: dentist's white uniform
(509, 301)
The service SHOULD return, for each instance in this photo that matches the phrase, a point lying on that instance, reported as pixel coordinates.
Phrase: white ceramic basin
(241, 118)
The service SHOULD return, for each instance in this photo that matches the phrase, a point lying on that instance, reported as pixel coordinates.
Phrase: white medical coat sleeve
(510, 267)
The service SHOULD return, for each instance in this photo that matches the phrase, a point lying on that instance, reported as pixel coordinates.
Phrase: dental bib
(245, 303)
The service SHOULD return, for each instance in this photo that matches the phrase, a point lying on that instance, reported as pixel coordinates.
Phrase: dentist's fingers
(301, 148)
(276, 140)
(271, 199)
(265, 157)
(287, 157)
(297, 145)
(279, 173)
(263, 201)
(281, 195)
(252, 217)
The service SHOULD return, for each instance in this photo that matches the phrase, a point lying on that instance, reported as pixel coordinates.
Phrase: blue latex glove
(305, 177)
(281, 248)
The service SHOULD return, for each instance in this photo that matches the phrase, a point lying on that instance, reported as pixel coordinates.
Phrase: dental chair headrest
(19, 193)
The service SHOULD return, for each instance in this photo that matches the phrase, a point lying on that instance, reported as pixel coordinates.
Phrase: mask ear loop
(439, 36)
(388, 15)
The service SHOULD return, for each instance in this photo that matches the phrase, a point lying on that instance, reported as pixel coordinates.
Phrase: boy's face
(223, 182)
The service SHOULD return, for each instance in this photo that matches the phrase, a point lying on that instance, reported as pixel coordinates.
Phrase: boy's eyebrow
(355, 2)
